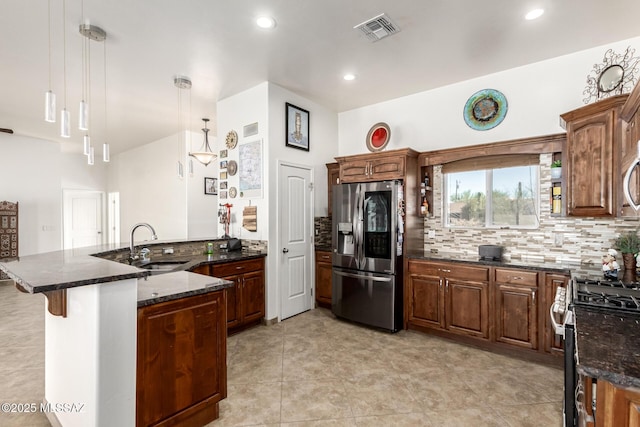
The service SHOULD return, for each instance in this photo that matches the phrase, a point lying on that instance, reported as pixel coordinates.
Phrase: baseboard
(51, 416)
(270, 322)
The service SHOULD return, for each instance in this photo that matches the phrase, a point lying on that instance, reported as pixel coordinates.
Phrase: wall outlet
(167, 251)
(558, 239)
(431, 234)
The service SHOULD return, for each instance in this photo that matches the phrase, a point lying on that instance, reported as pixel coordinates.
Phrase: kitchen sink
(161, 266)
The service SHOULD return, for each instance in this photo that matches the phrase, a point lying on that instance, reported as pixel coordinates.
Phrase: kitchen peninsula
(104, 318)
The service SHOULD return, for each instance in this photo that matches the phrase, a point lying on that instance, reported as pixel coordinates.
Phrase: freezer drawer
(372, 299)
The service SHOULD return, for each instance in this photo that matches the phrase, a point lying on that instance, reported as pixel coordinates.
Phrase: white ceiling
(217, 45)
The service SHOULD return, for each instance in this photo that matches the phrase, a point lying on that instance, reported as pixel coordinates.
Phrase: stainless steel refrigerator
(367, 239)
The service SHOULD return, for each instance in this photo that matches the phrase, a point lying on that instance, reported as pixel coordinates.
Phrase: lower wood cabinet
(323, 278)
(453, 298)
(181, 361)
(246, 299)
(516, 307)
(489, 303)
(617, 406)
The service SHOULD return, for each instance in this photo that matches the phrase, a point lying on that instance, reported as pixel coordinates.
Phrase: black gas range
(610, 295)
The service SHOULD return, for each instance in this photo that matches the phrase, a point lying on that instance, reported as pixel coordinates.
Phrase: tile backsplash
(322, 226)
(557, 239)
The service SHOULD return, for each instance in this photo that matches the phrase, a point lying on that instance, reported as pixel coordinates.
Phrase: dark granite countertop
(608, 345)
(323, 248)
(176, 285)
(80, 267)
(527, 263)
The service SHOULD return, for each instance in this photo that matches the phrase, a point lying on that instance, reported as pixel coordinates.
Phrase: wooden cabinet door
(387, 167)
(234, 311)
(181, 360)
(467, 307)
(590, 184)
(323, 278)
(426, 305)
(252, 299)
(552, 343)
(616, 406)
(333, 178)
(516, 315)
(354, 171)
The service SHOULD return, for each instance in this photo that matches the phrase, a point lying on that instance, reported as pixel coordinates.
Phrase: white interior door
(296, 225)
(82, 211)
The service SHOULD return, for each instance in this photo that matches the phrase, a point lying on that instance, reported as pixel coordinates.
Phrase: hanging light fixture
(65, 119)
(182, 83)
(90, 32)
(49, 97)
(106, 154)
(205, 155)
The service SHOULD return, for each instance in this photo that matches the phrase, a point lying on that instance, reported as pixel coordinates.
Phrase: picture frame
(223, 194)
(224, 185)
(223, 154)
(297, 127)
(211, 186)
(223, 175)
(223, 164)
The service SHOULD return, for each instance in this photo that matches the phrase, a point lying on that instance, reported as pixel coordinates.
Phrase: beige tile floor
(314, 370)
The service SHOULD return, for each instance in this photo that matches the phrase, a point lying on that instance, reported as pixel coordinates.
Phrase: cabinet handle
(239, 268)
(516, 278)
(440, 284)
(444, 270)
(533, 294)
(325, 257)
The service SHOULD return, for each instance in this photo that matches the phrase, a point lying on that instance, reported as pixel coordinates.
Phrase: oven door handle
(559, 330)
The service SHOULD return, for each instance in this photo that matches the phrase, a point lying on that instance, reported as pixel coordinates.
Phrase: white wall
(34, 172)
(536, 94)
(234, 113)
(150, 190)
(202, 209)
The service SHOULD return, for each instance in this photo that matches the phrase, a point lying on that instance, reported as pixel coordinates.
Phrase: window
(492, 197)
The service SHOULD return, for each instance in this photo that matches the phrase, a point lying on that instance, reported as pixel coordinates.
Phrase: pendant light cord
(105, 90)
(49, 28)
(64, 52)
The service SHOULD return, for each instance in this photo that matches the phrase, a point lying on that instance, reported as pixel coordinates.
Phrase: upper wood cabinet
(333, 178)
(384, 165)
(592, 155)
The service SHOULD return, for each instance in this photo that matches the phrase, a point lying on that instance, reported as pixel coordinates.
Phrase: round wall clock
(232, 139)
(233, 192)
(378, 137)
(485, 109)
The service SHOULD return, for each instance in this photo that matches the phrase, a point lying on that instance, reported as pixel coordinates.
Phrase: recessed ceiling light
(349, 77)
(266, 22)
(534, 14)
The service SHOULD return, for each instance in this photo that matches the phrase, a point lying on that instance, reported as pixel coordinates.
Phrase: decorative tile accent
(322, 225)
(584, 240)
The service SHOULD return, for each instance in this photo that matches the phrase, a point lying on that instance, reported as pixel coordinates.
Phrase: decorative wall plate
(232, 139)
(232, 167)
(233, 192)
(485, 109)
(378, 137)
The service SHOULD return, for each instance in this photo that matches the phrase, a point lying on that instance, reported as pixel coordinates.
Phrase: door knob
(285, 250)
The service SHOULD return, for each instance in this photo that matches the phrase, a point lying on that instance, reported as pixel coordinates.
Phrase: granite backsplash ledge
(561, 238)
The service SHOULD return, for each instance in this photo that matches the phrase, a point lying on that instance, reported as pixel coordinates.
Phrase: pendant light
(205, 155)
(106, 155)
(65, 119)
(49, 97)
(182, 83)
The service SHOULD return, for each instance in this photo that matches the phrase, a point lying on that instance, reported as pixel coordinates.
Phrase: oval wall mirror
(610, 78)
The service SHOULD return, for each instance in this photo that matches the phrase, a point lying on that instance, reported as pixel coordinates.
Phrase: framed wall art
(250, 169)
(297, 124)
(211, 186)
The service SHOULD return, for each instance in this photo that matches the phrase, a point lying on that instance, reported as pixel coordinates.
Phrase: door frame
(67, 193)
(279, 239)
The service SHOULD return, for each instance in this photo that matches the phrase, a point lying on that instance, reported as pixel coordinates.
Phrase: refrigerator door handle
(357, 227)
(359, 276)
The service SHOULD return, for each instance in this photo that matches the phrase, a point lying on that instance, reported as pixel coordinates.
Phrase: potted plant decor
(556, 169)
(628, 243)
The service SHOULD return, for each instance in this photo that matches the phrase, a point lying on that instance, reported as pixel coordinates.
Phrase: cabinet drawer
(237, 267)
(423, 268)
(323, 256)
(517, 277)
(464, 272)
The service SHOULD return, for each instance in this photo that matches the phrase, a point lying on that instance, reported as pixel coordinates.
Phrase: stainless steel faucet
(133, 256)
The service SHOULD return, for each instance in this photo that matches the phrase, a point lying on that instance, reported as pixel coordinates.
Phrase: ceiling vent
(378, 28)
